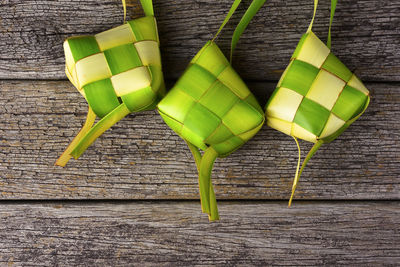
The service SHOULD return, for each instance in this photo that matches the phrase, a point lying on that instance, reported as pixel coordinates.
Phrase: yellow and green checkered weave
(118, 72)
(212, 109)
(317, 97)
(119, 65)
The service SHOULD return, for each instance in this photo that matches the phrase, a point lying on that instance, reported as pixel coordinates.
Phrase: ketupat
(118, 72)
(212, 109)
(317, 97)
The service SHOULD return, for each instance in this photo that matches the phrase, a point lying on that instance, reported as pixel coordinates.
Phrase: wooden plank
(177, 234)
(365, 34)
(141, 158)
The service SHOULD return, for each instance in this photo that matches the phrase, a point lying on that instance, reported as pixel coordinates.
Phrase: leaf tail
(196, 154)
(311, 153)
(296, 177)
(206, 186)
(105, 123)
(204, 166)
(65, 156)
(197, 157)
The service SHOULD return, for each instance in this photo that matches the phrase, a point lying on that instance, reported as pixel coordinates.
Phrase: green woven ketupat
(118, 72)
(212, 109)
(317, 97)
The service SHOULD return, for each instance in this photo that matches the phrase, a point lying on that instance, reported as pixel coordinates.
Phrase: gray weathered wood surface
(365, 34)
(177, 234)
(100, 218)
(141, 158)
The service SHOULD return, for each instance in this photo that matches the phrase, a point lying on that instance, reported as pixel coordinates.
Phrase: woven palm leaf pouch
(118, 72)
(317, 97)
(212, 109)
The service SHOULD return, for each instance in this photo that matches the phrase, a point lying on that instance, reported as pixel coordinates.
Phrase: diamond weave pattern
(316, 95)
(121, 65)
(210, 105)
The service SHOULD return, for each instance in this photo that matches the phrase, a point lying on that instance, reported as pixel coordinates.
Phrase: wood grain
(365, 34)
(111, 221)
(141, 158)
(177, 234)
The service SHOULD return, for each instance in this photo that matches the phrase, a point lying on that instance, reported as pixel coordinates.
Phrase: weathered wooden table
(133, 196)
